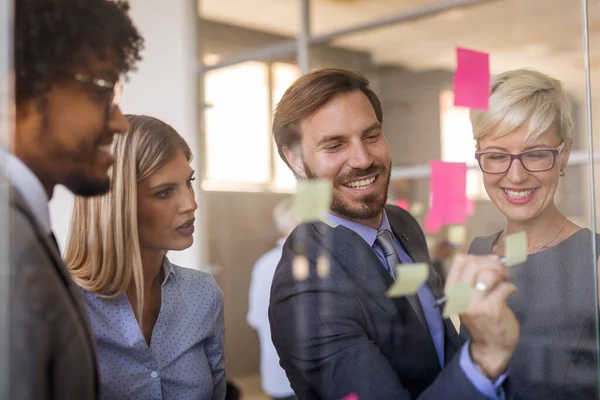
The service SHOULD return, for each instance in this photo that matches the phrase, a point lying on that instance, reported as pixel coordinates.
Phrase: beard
(367, 207)
(82, 185)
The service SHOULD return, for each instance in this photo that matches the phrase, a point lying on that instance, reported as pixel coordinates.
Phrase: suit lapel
(418, 253)
(359, 260)
(52, 250)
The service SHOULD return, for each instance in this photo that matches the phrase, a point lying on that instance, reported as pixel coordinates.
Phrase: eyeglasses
(116, 88)
(538, 160)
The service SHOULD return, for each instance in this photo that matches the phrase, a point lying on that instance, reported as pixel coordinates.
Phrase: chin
(357, 210)
(181, 245)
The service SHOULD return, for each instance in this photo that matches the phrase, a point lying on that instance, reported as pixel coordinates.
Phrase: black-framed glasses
(538, 160)
(115, 88)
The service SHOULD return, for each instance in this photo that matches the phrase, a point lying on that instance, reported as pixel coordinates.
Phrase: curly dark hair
(52, 36)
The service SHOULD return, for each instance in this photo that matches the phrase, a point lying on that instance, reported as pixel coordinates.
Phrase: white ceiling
(541, 34)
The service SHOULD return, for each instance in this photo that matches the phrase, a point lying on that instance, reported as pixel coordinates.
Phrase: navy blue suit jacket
(342, 334)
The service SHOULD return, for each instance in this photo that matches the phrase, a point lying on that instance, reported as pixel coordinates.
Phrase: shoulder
(480, 245)
(399, 216)
(21, 227)
(197, 283)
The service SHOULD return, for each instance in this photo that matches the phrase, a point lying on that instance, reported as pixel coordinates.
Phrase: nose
(117, 122)
(188, 203)
(517, 173)
(360, 157)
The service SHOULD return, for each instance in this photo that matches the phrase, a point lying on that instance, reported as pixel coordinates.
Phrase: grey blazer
(52, 354)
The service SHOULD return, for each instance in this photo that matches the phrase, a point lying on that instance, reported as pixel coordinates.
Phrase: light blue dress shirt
(185, 359)
(427, 298)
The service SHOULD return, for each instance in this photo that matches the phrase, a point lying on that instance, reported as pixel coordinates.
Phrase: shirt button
(154, 374)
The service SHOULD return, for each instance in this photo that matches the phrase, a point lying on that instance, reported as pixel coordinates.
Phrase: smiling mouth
(519, 194)
(362, 184)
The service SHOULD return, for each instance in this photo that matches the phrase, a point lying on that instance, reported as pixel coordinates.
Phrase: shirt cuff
(486, 387)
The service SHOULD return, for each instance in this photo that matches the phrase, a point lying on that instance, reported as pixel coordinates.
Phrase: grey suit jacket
(52, 353)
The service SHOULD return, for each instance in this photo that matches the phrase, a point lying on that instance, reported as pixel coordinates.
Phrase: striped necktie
(385, 240)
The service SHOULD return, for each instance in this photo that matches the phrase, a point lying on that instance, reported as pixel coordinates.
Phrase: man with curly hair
(69, 57)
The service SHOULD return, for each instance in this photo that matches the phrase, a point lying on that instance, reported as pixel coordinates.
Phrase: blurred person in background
(159, 327)
(523, 146)
(274, 381)
(69, 57)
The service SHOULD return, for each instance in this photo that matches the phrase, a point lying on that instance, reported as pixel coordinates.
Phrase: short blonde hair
(524, 96)
(103, 249)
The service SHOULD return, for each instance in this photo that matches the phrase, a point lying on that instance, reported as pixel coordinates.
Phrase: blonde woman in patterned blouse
(159, 327)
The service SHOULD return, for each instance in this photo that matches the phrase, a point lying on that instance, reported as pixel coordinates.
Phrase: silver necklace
(542, 246)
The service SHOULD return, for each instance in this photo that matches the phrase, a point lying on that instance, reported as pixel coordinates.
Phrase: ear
(566, 153)
(294, 158)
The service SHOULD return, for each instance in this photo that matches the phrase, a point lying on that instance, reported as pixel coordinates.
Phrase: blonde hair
(524, 96)
(103, 250)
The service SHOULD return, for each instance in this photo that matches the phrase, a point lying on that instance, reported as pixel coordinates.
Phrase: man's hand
(493, 326)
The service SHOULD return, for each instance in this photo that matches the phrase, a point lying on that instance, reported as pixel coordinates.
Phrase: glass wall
(408, 49)
(6, 107)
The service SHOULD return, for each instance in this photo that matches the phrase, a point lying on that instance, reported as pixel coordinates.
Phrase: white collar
(29, 186)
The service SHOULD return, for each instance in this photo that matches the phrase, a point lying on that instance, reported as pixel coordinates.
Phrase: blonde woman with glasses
(159, 327)
(523, 146)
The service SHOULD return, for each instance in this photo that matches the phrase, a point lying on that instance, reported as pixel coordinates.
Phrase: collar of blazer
(18, 203)
(359, 259)
(410, 235)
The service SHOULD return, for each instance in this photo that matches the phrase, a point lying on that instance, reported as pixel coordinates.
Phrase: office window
(457, 142)
(237, 148)
(240, 153)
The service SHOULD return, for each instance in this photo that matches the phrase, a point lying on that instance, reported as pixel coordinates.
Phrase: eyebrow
(527, 148)
(333, 138)
(170, 184)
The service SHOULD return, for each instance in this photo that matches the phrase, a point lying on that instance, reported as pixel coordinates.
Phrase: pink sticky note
(472, 79)
(351, 396)
(402, 204)
(449, 204)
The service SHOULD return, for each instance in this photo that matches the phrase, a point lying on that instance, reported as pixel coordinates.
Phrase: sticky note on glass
(472, 79)
(458, 297)
(448, 185)
(409, 278)
(516, 249)
(417, 209)
(312, 199)
(402, 204)
(457, 234)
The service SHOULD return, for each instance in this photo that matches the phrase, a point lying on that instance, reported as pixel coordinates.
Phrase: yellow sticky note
(409, 278)
(516, 248)
(457, 234)
(312, 199)
(458, 297)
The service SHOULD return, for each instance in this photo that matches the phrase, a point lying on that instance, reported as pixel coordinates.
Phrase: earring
(562, 172)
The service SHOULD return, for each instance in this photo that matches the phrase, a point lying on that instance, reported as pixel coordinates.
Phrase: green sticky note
(457, 234)
(409, 278)
(516, 249)
(458, 297)
(312, 199)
